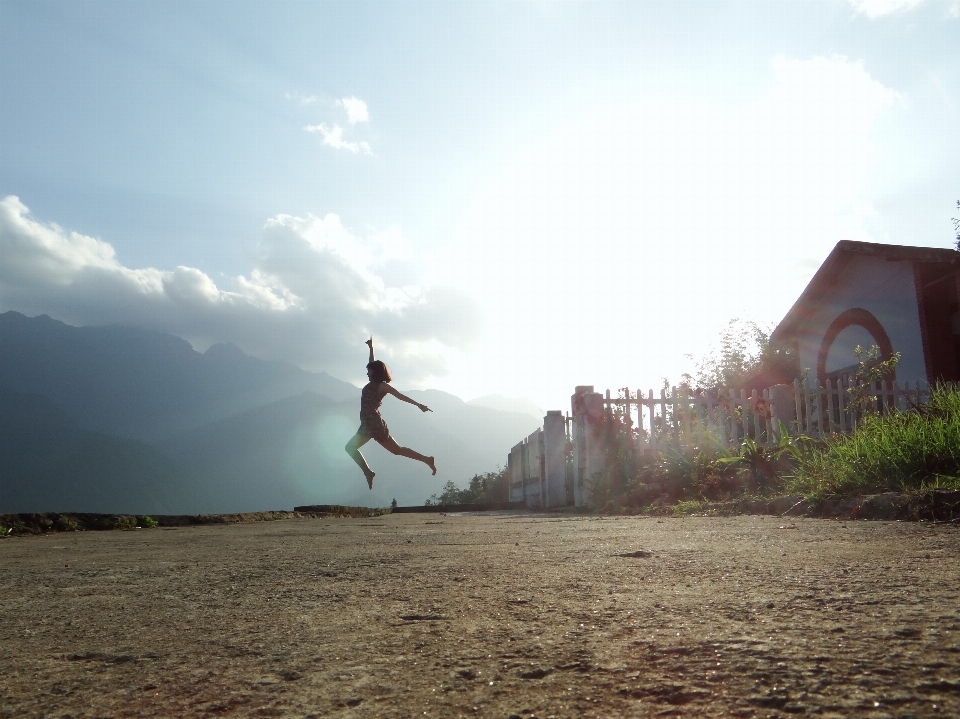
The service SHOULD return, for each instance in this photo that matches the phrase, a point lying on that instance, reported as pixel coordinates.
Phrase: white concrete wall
(555, 453)
(515, 474)
(533, 476)
(883, 288)
(587, 455)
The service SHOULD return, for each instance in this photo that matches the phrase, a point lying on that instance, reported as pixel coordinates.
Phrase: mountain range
(123, 419)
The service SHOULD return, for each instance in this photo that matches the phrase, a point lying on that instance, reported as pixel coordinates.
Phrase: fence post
(554, 454)
(586, 405)
(515, 472)
(782, 407)
(532, 476)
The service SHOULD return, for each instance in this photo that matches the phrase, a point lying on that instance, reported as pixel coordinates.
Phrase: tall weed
(897, 451)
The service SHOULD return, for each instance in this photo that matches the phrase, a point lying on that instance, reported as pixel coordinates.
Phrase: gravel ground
(495, 615)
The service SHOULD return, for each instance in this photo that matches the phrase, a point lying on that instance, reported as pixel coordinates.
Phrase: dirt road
(487, 616)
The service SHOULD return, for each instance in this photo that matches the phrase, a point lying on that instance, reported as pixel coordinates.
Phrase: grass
(896, 452)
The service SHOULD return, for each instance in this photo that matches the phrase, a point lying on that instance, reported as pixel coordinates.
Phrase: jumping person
(372, 425)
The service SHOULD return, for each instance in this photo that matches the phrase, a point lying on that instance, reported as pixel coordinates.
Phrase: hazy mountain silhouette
(290, 452)
(48, 464)
(521, 405)
(120, 419)
(140, 383)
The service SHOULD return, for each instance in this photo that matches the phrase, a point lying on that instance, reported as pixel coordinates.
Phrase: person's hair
(380, 372)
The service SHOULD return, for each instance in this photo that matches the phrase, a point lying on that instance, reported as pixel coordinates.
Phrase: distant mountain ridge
(47, 462)
(290, 452)
(120, 419)
(520, 405)
(143, 384)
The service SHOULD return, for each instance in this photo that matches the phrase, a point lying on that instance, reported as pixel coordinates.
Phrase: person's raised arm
(369, 343)
(401, 396)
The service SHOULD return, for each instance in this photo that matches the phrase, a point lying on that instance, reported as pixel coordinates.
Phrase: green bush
(147, 521)
(65, 524)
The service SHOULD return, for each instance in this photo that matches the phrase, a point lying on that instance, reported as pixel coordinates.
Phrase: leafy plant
(956, 226)
(766, 465)
(147, 521)
(871, 371)
(65, 524)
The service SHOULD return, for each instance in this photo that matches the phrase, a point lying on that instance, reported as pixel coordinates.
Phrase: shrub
(64, 523)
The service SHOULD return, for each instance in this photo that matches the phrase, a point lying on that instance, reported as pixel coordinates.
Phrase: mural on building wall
(901, 299)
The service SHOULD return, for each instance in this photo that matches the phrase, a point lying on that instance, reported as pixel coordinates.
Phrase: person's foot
(370, 477)
(431, 465)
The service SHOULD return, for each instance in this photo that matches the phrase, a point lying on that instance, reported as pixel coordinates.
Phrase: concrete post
(532, 485)
(783, 407)
(515, 472)
(587, 458)
(554, 452)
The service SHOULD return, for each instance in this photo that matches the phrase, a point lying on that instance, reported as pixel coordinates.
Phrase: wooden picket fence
(684, 418)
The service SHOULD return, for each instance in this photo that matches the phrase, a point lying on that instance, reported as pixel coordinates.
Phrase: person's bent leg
(390, 444)
(352, 448)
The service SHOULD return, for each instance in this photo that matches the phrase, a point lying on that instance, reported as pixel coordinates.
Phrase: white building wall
(885, 289)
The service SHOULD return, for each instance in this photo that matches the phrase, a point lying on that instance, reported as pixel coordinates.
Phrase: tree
(956, 226)
(488, 488)
(744, 356)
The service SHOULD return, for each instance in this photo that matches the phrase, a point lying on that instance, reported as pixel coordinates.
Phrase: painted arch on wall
(854, 316)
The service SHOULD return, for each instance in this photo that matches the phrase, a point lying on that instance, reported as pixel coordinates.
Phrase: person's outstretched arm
(401, 396)
(369, 343)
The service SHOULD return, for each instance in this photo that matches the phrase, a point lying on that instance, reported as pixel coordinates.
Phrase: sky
(511, 197)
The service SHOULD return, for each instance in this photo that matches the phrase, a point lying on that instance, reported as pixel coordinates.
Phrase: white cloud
(878, 8)
(356, 109)
(303, 99)
(311, 299)
(333, 136)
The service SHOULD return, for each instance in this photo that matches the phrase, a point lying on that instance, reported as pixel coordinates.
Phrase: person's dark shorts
(374, 427)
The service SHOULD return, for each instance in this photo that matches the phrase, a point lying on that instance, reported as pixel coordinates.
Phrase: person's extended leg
(353, 449)
(390, 444)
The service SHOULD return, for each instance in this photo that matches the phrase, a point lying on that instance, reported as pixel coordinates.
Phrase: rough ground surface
(493, 616)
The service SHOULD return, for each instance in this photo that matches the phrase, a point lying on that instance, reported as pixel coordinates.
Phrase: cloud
(879, 8)
(356, 109)
(333, 136)
(314, 294)
(303, 99)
